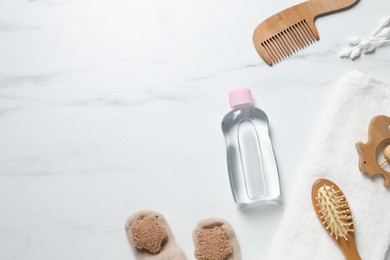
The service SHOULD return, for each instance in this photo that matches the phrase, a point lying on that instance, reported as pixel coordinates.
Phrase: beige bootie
(215, 239)
(151, 237)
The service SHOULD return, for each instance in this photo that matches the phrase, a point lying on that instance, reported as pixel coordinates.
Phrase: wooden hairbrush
(335, 215)
(378, 138)
(291, 30)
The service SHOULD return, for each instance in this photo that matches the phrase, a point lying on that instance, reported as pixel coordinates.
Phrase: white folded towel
(333, 155)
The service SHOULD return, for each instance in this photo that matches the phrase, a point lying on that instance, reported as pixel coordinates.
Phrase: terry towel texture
(333, 155)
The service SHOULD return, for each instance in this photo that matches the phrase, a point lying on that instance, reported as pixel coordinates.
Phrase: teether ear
(378, 138)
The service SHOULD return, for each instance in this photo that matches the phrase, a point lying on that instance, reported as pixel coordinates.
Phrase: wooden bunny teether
(378, 137)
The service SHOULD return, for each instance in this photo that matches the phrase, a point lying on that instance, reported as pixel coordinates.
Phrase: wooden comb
(291, 30)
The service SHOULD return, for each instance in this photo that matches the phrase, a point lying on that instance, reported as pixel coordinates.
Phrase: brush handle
(323, 7)
(352, 255)
(349, 249)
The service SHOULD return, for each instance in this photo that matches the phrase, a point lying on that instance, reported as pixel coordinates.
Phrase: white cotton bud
(354, 41)
(369, 48)
(385, 33)
(345, 53)
(386, 21)
(379, 43)
(364, 43)
(355, 53)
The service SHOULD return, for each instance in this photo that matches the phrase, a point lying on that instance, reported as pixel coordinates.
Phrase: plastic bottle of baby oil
(252, 167)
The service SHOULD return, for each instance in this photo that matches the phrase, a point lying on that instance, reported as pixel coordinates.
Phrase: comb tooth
(285, 43)
(313, 30)
(272, 50)
(312, 37)
(264, 45)
(296, 36)
(301, 37)
(268, 51)
(306, 30)
(292, 40)
(275, 49)
(282, 41)
(303, 34)
(279, 51)
(281, 47)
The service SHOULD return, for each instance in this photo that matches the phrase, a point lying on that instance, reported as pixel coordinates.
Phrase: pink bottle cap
(240, 96)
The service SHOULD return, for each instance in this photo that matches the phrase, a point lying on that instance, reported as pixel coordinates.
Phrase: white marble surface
(112, 106)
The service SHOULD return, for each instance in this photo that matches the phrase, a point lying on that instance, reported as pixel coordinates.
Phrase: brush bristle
(334, 211)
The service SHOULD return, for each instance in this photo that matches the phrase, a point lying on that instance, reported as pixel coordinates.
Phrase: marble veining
(109, 107)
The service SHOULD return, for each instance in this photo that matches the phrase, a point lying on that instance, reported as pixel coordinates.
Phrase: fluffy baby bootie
(151, 237)
(215, 239)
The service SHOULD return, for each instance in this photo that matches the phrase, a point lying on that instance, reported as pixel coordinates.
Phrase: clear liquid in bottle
(252, 167)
